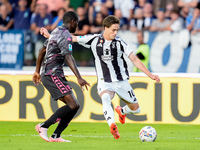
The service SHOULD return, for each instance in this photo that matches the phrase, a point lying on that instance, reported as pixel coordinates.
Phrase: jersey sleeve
(65, 44)
(45, 43)
(126, 48)
(86, 40)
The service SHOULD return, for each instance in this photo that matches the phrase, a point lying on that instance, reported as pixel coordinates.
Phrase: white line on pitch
(97, 136)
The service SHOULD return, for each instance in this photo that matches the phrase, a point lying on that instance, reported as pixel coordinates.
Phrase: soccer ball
(147, 134)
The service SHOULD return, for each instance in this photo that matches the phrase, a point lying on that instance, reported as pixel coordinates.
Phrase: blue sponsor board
(11, 49)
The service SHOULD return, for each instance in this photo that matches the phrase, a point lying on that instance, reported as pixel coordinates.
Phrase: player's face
(111, 32)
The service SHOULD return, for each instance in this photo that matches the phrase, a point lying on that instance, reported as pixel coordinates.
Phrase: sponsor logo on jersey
(70, 47)
(99, 45)
(107, 55)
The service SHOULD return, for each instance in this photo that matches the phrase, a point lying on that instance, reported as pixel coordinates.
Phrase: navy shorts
(57, 86)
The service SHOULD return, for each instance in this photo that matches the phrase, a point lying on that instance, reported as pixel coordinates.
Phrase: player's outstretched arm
(143, 68)
(72, 65)
(46, 34)
(36, 75)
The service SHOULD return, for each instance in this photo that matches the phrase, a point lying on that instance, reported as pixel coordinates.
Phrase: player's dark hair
(110, 20)
(69, 16)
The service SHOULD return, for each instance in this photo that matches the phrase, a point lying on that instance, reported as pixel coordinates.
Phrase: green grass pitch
(96, 136)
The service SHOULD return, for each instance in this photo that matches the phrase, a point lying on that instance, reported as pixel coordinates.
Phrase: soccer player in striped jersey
(109, 50)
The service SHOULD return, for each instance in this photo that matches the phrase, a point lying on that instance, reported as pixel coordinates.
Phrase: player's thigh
(104, 87)
(125, 92)
(57, 86)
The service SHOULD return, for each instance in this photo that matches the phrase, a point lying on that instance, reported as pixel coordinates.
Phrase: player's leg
(127, 95)
(60, 114)
(130, 108)
(59, 89)
(72, 102)
(108, 112)
(62, 125)
(107, 108)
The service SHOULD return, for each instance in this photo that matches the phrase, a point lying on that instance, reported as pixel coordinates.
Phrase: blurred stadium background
(173, 54)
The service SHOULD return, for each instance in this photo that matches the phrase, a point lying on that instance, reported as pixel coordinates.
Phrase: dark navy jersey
(57, 46)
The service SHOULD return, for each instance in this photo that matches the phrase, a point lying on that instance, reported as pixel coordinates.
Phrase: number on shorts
(131, 94)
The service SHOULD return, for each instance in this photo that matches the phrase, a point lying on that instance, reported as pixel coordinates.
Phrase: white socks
(127, 110)
(107, 108)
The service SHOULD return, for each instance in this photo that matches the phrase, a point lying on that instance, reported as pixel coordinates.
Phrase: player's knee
(137, 111)
(106, 98)
(74, 105)
(77, 106)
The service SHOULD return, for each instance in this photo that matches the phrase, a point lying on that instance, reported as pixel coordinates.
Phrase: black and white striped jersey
(109, 56)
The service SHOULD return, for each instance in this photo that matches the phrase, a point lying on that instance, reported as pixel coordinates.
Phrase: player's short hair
(110, 20)
(69, 16)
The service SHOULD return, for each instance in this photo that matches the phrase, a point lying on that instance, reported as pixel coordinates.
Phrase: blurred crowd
(151, 15)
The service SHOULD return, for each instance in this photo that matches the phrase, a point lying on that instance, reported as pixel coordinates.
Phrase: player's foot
(121, 117)
(42, 132)
(114, 131)
(58, 140)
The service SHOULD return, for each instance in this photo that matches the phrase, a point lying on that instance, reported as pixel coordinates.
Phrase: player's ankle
(55, 135)
(122, 111)
(43, 125)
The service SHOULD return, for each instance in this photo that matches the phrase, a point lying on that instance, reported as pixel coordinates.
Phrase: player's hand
(83, 83)
(36, 78)
(44, 32)
(155, 77)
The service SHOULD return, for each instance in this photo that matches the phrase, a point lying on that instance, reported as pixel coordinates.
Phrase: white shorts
(122, 88)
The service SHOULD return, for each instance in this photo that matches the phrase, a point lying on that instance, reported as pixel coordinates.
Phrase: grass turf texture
(97, 136)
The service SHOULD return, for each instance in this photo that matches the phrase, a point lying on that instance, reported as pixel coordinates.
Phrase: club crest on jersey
(70, 47)
(107, 55)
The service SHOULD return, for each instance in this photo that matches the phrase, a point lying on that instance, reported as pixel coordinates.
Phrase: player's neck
(106, 37)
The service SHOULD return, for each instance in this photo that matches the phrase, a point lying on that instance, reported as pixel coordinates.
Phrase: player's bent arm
(36, 75)
(72, 65)
(139, 64)
(40, 59)
(142, 67)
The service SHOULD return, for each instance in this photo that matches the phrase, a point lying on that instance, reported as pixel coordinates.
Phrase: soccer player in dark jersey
(58, 49)
(109, 50)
